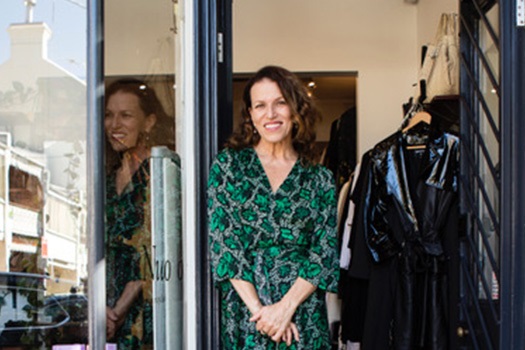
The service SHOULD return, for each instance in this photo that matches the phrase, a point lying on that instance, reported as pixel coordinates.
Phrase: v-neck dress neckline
(264, 175)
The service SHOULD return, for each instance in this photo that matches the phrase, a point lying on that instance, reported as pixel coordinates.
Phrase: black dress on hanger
(410, 221)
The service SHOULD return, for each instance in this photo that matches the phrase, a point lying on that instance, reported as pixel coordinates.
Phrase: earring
(253, 126)
(146, 137)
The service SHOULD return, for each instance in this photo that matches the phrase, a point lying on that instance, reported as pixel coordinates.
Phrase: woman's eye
(282, 102)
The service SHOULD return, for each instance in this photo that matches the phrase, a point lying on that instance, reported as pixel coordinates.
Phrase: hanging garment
(340, 156)
(346, 223)
(410, 218)
(353, 283)
(341, 204)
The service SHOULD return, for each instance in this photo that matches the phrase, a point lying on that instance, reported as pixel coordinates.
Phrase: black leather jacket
(412, 197)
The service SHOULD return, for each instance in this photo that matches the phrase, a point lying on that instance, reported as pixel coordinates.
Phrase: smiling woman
(134, 119)
(125, 121)
(271, 115)
(303, 111)
(272, 218)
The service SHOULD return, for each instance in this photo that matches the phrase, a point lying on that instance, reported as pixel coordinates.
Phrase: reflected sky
(67, 21)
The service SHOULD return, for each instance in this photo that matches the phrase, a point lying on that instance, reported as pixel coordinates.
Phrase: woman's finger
(295, 331)
(111, 314)
(256, 316)
(287, 337)
(277, 336)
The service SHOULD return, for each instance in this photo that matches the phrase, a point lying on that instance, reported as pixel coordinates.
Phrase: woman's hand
(115, 316)
(276, 321)
(113, 322)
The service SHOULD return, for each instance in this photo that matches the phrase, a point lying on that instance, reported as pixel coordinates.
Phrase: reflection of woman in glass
(132, 123)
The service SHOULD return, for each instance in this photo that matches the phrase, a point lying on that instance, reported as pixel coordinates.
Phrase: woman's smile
(272, 126)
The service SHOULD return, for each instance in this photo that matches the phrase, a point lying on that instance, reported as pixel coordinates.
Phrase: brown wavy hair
(304, 113)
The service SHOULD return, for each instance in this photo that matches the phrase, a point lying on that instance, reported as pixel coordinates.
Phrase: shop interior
(351, 57)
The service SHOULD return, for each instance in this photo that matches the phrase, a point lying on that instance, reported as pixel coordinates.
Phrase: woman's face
(124, 121)
(271, 114)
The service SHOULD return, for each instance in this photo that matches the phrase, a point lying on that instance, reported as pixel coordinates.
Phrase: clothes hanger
(416, 115)
(420, 119)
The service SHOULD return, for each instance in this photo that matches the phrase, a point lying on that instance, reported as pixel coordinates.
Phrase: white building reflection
(42, 160)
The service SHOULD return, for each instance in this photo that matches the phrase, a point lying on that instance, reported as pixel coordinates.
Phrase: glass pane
(143, 221)
(3, 175)
(491, 54)
(43, 252)
(491, 203)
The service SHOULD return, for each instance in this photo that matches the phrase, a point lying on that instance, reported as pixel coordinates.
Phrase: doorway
(318, 38)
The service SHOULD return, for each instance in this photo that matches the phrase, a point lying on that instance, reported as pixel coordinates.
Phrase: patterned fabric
(271, 239)
(128, 252)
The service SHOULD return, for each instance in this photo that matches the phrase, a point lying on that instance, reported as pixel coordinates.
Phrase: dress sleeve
(322, 267)
(227, 246)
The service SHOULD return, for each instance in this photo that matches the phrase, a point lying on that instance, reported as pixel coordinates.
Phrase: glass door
(143, 132)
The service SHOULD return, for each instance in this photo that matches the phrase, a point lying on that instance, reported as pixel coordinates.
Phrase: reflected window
(25, 190)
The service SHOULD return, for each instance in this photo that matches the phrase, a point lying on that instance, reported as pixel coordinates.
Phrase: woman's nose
(272, 112)
(115, 122)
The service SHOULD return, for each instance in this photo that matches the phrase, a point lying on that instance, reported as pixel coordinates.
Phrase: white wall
(377, 38)
(138, 38)
(428, 14)
(336, 35)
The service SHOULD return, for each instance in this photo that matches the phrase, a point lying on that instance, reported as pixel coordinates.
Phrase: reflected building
(42, 142)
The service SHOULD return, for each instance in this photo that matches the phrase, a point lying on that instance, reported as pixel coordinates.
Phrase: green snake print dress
(271, 239)
(128, 252)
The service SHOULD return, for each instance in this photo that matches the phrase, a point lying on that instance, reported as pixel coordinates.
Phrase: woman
(272, 218)
(132, 123)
